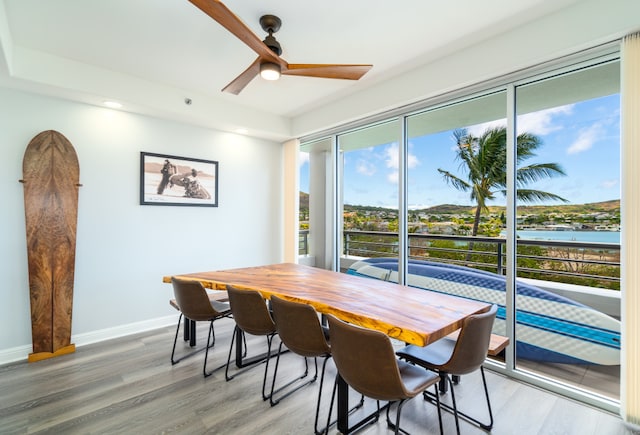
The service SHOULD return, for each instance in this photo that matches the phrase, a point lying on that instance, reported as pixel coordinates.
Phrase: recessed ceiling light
(112, 104)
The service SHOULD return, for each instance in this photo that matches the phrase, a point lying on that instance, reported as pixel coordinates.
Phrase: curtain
(630, 272)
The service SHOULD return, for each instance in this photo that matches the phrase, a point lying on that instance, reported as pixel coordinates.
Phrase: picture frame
(180, 181)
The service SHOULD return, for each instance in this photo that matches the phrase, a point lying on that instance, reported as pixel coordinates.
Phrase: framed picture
(174, 180)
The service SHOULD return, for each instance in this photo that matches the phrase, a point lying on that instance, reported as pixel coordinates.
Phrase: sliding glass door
(509, 195)
(368, 169)
(568, 227)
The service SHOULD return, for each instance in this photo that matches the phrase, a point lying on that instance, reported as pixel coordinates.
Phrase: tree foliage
(484, 160)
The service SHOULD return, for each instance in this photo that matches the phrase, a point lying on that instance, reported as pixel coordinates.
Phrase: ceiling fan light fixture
(269, 71)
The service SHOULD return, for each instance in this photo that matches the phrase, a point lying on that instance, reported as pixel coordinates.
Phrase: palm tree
(484, 158)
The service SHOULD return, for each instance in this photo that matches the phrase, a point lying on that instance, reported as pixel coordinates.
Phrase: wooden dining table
(409, 314)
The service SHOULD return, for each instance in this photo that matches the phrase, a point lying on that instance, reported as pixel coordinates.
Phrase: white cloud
(538, 123)
(392, 158)
(392, 161)
(541, 122)
(303, 158)
(478, 129)
(586, 138)
(609, 184)
(365, 168)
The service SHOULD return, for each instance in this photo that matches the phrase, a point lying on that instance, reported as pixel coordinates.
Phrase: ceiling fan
(269, 64)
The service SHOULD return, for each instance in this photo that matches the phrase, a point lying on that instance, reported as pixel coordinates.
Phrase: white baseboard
(21, 353)
(14, 354)
(122, 330)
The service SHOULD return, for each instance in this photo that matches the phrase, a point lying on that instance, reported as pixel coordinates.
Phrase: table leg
(342, 422)
(185, 329)
(241, 357)
(343, 406)
(239, 348)
(189, 331)
(192, 333)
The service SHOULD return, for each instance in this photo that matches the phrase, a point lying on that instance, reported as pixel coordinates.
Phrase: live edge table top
(408, 314)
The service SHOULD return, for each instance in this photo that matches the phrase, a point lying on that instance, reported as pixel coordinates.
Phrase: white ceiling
(87, 50)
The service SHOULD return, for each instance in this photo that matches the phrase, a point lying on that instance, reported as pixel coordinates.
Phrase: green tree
(484, 159)
(491, 228)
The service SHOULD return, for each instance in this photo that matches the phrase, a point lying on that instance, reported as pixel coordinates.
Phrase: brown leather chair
(189, 330)
(458, 357)
(366, 361)
(252, 317)
(194, 304)
(300, 331)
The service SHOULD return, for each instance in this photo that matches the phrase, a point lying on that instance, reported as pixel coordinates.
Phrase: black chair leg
(486, 394)
(453, 409)
(266, 367)
(274, 391)
(396, 426)
(211, 340)
(315, 423)
(175, 339)
(233, 339)
(439, 410)
(187, 325)
(370, 419)
(206, 353)
(398, 430)
(249, 363)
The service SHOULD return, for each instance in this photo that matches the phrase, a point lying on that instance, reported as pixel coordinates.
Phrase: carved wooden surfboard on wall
(51, 180)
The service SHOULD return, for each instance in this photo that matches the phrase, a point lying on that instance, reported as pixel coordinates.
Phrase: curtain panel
(630, 273)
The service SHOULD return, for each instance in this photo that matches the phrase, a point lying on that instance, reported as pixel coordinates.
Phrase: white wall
(123, 248)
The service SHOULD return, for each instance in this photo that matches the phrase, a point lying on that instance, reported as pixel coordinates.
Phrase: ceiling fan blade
(227, 19)
(328, 71)
(239, 83)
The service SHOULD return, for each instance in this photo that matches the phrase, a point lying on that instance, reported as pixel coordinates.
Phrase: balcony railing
(303, 242)
(591, 264)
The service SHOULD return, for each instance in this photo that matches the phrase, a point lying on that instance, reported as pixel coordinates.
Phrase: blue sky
(584, 138)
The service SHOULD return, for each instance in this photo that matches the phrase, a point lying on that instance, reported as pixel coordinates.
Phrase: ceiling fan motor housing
(274, 45)
(271, 24)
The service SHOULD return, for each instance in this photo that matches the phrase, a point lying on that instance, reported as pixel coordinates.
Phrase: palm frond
(483, 159)
(537, 172)
(456, 182)
(529, 196)
(526, 144)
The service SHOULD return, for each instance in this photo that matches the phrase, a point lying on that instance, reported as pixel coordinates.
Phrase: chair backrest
(192, 299)
(299, 327)
(472, 345)
(366, 360)
(250, 311)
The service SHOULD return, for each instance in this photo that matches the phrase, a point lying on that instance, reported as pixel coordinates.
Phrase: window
(368, 204)
(303, 208)
(530, 213)
(568, 227)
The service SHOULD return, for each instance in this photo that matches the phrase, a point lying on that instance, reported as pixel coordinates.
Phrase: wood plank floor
(129, 386)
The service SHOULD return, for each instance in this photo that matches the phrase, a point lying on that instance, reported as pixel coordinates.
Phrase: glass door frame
(583, 60)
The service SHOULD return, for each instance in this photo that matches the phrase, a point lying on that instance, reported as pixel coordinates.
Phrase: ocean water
(578, 236)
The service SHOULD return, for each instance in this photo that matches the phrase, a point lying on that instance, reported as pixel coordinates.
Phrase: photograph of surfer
(173, 180)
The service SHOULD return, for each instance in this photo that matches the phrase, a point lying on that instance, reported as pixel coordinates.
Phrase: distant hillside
(449, 209)
(349, 207)
(594, 207)
(304, 201)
